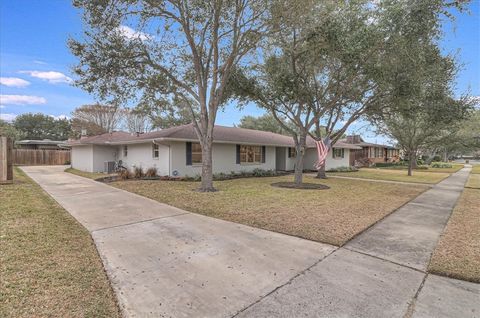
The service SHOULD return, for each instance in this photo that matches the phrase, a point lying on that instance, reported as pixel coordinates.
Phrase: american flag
(323, 146)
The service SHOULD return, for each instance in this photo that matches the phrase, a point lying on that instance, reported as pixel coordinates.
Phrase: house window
(155, 151)
(292, 152)
(379, 152)
(125, 150)
(196, 153)
(250, 154)
(338, 152)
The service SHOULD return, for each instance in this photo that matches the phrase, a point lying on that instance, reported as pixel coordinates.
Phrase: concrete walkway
(167, 262)
(381, 273)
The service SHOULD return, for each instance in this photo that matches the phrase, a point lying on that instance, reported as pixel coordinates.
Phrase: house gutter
(166, 139)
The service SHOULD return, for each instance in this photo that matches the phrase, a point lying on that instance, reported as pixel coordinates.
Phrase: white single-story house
(176, 152)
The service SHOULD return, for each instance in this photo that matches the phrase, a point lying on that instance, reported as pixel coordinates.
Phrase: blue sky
(35, 62)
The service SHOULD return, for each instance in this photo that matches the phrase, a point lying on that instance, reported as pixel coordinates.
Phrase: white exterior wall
(142, 155)
(82, 158)
(102, 154)
(224, 160)
(173, 157)
(311, 158)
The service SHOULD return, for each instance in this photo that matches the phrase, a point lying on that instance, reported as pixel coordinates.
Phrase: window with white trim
(155, 151)
(196, 153)
(125, 150)
(292, 152)
(250, 154)
(338, 152)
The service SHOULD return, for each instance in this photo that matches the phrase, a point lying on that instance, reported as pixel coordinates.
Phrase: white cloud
(13, 82)
(8, 117)
(39, 62)
(131, 34)
(50, 76)
(62, 116)
(21, 100)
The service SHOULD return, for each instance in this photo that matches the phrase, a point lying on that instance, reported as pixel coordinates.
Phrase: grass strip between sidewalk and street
(49, 265)
(476, 169)
(473, 181)
(457, 254)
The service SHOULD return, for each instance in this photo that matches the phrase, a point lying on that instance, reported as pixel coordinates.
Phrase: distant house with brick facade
(370, 153)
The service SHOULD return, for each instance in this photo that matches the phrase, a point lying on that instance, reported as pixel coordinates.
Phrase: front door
(281, 158)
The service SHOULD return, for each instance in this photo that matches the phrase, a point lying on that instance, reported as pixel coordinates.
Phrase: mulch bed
(302, 186)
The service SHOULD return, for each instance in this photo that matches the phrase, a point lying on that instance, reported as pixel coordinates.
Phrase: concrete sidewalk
(164, 261)
(381, 273)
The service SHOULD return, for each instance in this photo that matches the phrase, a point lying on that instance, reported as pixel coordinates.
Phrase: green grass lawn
(473, 181)
(458, 251)
(419, 176)
(332, 216)
(475, 169)
(90, 175)
(49, 266)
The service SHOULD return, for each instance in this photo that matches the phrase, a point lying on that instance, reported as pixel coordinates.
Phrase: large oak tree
(160, 52)
(321, 71)
(332, 63)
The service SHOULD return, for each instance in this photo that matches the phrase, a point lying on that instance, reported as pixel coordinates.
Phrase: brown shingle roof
(367, 144)
(221, 134)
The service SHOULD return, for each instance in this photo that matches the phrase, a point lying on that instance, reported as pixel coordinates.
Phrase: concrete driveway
(166, 262)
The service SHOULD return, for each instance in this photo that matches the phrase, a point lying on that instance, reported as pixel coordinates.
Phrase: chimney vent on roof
(353, 139)
(83, 134)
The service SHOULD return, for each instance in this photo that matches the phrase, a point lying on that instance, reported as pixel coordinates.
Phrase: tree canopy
(39, 126)
(96, 119)
(7, 129)
(322, 71)
(265, 122)
(168, 53)
(333, 63)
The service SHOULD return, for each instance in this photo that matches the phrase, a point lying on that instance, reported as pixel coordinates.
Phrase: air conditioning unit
(109, 166)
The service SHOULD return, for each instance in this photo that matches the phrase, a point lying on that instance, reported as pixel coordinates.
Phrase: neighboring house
(40, 144)
(176, 152)
(370, 153)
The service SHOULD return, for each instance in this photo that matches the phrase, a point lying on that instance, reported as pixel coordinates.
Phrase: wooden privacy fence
(33, 157)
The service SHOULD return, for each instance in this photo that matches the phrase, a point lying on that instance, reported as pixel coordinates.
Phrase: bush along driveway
(164, 261)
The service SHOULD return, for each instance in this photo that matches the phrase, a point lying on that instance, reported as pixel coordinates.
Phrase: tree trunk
(411, 159)
(300, 153)
(207, 171)
(414, 162)
(321, 172)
